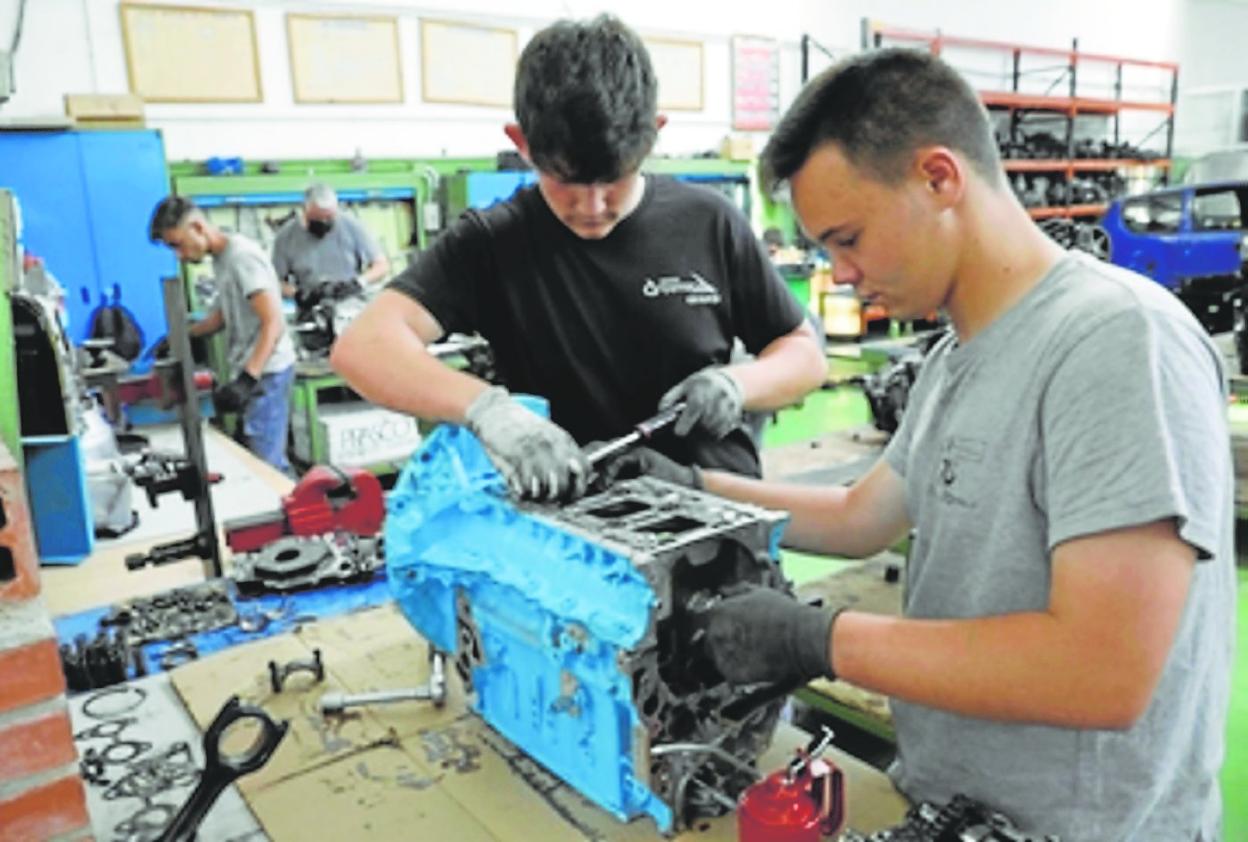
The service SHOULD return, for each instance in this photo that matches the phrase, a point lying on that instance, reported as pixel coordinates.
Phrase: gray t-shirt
(343, 253)
(242, 269)
(1097, 402)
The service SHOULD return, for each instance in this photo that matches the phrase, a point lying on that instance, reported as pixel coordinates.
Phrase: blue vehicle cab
(1191, 239)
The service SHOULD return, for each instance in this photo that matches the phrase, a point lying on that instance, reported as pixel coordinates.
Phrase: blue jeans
(266, 418)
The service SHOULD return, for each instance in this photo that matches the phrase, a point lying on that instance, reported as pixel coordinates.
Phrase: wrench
(642, 431)
(434, 691)
(222, 770)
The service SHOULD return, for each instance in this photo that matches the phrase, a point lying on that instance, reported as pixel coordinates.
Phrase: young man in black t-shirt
(608, 292)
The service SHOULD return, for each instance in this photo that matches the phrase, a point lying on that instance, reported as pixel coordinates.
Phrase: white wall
(75, 46)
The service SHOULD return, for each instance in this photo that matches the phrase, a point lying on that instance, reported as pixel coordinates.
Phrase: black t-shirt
(602, 328)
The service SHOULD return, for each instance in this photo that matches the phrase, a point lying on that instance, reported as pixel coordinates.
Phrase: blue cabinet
(86, 198)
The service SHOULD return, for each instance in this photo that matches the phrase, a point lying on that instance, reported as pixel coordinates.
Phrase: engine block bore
(573, 629)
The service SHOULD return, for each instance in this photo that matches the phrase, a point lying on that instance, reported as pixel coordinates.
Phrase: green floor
(844, 406)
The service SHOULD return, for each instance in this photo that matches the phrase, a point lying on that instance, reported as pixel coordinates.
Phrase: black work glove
(713, 401)
(765, 635)
(306, 298)
(644, 462)
(338, 290)
(233, 396)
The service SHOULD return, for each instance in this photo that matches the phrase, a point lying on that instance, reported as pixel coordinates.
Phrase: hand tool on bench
(432, 691)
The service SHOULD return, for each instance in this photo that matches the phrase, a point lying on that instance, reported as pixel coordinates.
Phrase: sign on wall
(344, 58)
(190, 54)
(678, 68)
(755, 83)
(466, 63)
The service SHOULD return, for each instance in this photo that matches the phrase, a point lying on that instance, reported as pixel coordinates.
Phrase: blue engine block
(572, 628)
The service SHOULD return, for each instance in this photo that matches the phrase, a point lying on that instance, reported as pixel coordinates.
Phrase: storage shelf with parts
(1062, 116)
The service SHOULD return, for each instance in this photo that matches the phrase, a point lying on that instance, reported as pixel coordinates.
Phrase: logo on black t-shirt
(695, 288)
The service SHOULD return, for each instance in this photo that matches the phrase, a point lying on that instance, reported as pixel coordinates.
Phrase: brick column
(41, 794)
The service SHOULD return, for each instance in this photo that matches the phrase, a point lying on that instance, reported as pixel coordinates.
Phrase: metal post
(208, 548)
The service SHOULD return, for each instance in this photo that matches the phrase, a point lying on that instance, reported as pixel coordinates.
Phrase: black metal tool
(221, 770)
(642, 431)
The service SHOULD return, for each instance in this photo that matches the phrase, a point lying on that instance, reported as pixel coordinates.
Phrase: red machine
(326, 499)
(804, 802)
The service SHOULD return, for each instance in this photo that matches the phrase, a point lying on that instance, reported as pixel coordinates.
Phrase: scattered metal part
(297, 561)
(176, 613)
(120, 752)
(253, 622)
(433, 691)
(89, 664)
(148, 778)
(178, 653)
(91, 766)
(220, 770)
(279, 673)
(132, 697)
(961, 819)
(108, 730)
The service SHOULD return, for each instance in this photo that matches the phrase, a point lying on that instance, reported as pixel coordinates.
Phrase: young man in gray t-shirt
(259, 351)
(1066, 645)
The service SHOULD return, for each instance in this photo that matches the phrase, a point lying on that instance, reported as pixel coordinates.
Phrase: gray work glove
(713, 401)
(537, 457)
(642, 461)
(765, 635)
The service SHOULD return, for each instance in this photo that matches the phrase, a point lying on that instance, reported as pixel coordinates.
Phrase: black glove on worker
(764, 635)
(644, 462)
(233, 396)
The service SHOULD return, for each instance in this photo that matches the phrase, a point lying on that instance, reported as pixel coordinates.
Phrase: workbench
(402, 771)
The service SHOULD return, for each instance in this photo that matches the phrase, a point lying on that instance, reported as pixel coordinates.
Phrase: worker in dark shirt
(608, 292)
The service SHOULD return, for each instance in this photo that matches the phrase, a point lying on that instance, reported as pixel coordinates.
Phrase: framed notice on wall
(755, 83)
(344, 58)
(678, 67)
(466, 63)
(190, 54)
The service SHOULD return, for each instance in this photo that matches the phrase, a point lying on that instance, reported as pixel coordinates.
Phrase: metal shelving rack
(1070, 105)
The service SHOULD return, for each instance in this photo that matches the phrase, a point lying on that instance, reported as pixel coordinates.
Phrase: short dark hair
(170, 213)
(879, 107)
(587, 99)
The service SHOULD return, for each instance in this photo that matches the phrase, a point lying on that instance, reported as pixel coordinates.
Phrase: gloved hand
(713, 400)
(233, 396)
(644, 462)
(764, 635)
(537, 457)
(338, 290)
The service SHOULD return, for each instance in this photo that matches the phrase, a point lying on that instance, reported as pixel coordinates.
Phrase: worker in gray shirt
(259, 351)
(1065, 650)
(322, 251)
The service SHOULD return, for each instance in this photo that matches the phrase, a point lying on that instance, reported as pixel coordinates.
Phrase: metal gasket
(139, 693)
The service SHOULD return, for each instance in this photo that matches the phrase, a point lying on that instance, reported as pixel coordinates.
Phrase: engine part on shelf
(278, 673)
(179, 652)
(222, 768)
(960, 820)
(804, 802)
(571, 626)
(433, 690)
(294, 562)
(93, 663)
(1071, 233)
(174, 613)
(326, 499)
